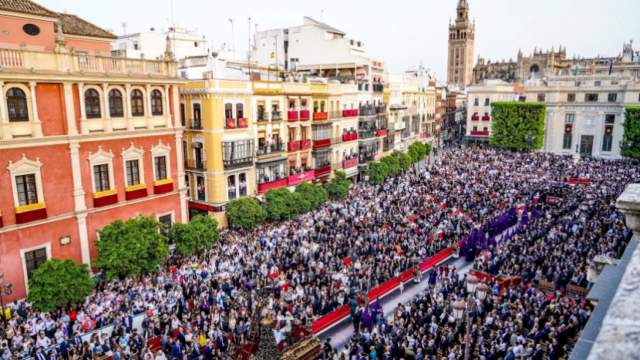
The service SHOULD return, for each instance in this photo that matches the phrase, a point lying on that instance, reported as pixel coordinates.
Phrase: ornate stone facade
(461, 42)
(539, 63)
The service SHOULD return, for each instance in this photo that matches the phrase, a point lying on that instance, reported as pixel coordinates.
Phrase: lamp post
(624, 146)
(470, 307)
(530, 138)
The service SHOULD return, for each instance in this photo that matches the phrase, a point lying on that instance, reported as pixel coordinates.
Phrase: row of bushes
(392, 164)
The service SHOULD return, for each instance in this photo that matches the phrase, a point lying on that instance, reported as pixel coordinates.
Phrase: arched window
(239, 111)
(156, 102)
(137, 103)
(115, 103)
(17, 105)
(92, 104)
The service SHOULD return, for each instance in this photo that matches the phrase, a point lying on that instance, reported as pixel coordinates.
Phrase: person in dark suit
(176, 350)
(64, 348)
(181, 337)
(164, 344)
(538, 354)
(510, 355)
(117, 355)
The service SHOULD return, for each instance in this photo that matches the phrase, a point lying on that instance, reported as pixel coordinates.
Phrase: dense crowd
(324, 259)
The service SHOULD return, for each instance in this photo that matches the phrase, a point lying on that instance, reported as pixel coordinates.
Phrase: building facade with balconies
(86, 139)
(344, 127)
(299, 132)
(480, 98)
(220, 147)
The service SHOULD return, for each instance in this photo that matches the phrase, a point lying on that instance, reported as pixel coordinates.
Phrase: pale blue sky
(400, 33)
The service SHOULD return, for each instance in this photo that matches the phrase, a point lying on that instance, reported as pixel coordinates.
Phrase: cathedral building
(461, 42)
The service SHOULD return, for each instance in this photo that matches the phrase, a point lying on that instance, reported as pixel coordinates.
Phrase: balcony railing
(367, 111)
(320, 116)
(195, 165)
(237, 163)
(350, 163)
(381, 133)
(366, 134)
(381, 109)
(270, 149)
(305, 115)
(202, 196)
(378, 88)
(276, 116)
(295, 179)
(486, 118)
(336, 166)
(480, 133)
(336, 140)
(475, 118)
(363, 87)
(319, 144)
(363, 159)
(293, 145)
(322, 169)
(236, 124)
(262, 116)
(349, 137)
(277, 182)
(350, 113)
(335, 114)
(195, 124)
(243, 191)
(305, 144)
(293, 116)
(387, 145)
(231, 193)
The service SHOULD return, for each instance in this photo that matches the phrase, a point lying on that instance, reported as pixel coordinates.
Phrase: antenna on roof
(124, 28)
(321, 13)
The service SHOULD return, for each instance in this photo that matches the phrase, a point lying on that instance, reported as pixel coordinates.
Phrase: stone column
(72, 128)
(37, 124)
(167, 107)
(84, 238)
(618, 337)
(130, 125)
(84, 127)
(180, 161)
(4, 119)
(150, 123)
(107, 110)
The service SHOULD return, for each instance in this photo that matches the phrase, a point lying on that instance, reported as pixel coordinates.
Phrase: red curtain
(105, 200)
(136, 194)
(29, 216)
(163, 189)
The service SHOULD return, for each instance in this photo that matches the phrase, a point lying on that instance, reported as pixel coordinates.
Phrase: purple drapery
(366, 322)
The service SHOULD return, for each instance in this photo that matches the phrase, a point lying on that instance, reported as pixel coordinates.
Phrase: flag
(575, 72)
(611, 68)
(593, 66)
(273, 55)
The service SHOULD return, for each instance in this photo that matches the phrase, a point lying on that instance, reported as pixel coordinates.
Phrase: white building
(153, 44)
(479, 99)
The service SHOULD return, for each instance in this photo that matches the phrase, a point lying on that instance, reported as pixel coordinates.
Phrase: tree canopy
(200, 234)
(245, 212)
(338, 186)
(131, 247)
(378, 172)
(393, 164)
(58, 283)
(631, 134)
(404, 160)
(512, 121)
(315, 195)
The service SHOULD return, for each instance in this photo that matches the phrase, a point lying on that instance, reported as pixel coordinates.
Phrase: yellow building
(219, 147)
(343, 99)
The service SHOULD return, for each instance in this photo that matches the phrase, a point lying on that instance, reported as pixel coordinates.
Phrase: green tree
(315, 195)
(131, 247)
(512, 121)
(393, 164)
(200, 234)
(428, 148)
(58, 283)
(339, 185)
(378, 172)
(631, 134)
(245, 212)
(414, 152)
(281, 204)
(403, 159)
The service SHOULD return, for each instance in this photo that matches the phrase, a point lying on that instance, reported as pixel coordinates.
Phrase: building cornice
(46, 76)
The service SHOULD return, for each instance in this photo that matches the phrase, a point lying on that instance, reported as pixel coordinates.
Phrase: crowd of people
(471, 196)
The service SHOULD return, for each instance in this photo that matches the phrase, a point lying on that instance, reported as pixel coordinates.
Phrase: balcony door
(586, 145)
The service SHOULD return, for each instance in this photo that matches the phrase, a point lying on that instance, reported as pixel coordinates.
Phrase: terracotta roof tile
(26, 7)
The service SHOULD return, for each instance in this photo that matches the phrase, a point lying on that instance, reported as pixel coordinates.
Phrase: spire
(535, 50)
(168, 54)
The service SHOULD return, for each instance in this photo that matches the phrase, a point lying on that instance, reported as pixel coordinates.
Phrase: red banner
(231, 123)
(297, 179)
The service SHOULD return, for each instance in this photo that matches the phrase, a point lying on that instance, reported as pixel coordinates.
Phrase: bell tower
(461, 41)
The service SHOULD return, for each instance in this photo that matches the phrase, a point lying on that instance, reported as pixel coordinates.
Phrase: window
(228, 111)
(161, 167)
(115, 103)
(133, 173)
(237, 150)
(34, 259)
(92, 104)
(239, 111)
(566, 141)
(475, 128)
(17, 105)
(597, 83)
(486, 101)
(485, 128)
(27, 190)
(571, 97)
(195, 44)
(137, 103)
(541, 97)
(610, 119)
(606, 143)
(31, 29)
(156, 103)
(101, 177)
(577, 84)
(612, 97)
(568, 118)
(486, 114)
(598, 73)
(590, 97)
(272, 171)
(165, 220)
(476, 102)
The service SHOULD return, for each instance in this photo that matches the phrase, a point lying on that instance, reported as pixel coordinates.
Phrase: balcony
(480, 133)
(195, 124)
(486, 118)
(202, 196)
(475, 118)
(350, 113)
(350, 163)
(336, 166)
(231, 193)
(366, 134)
(305, 115)
(363, 87)
(238, 163)
(295, 179)
(381, 109)
(262, 116)
(363, 159)
(270, 149)
(263, 187)
(381, 133)
(336, 140)
(33, 212)
(276, 116)
(305, 144)
(292, 116)
(322, 170)
(349, 137)
(378, 88)
(386, 146)
(367, 111)
(320, 116)
(293, 145)
(195, 165)
(232, 124)
(335, 114)
(319, 144)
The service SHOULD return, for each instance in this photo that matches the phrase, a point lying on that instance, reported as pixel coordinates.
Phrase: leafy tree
(393, 164)
(403, 159)
(200, 234)
(281, 204)
(631, 134)
(414, 152)
(512, 121)
(378, 172)
(315, 195)
(245, 212)
(428, 148)
(58, 283)
(131, 247)
(339, 185)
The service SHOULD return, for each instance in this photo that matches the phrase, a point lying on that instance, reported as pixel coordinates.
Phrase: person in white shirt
(43, 341)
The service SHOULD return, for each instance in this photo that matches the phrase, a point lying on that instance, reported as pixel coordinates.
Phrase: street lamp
(624, 146)
(459, 307)
(530, 138)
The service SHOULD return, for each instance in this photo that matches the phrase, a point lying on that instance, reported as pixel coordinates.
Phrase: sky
(401, 33)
